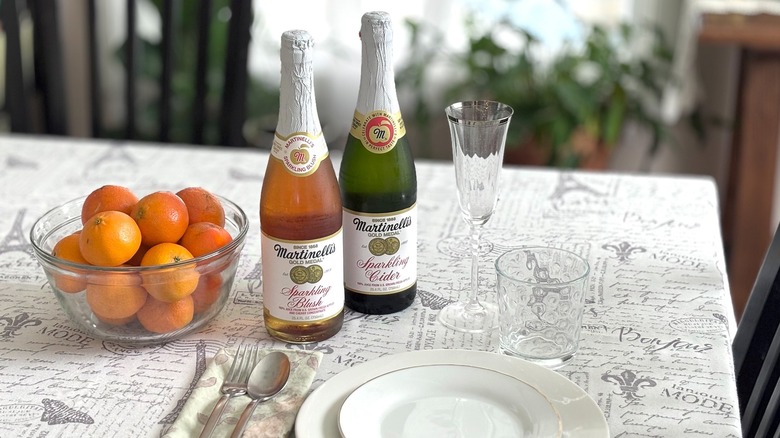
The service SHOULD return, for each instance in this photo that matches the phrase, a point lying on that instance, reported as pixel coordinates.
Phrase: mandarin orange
(202, 205)
(115, 296)
(116, 321)
(163, 317)
(109, 238)
(108, 198)
(162, 217)
(173, 283)
(67, 248)
(204, 237)
(207, 292)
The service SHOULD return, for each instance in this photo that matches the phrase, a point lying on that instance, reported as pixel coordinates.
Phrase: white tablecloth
(655, 352)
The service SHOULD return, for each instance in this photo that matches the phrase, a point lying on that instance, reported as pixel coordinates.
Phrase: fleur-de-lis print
(13, 325)
(623, 250)
(629, 384)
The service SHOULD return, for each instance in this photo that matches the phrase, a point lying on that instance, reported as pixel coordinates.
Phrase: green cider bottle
(378, 184)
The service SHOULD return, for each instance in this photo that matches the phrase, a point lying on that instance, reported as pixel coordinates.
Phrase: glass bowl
(73, 282)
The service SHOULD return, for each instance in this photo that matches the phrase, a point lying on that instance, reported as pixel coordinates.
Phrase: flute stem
(473, 304)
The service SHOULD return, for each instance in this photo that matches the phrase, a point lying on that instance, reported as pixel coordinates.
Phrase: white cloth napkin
(274, 418)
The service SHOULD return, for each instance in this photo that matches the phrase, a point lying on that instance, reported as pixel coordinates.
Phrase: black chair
(232, 114)
(34, 97)
(39, 106)
(756, 350)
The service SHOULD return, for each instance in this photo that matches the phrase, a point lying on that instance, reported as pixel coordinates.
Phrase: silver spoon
(268, 378)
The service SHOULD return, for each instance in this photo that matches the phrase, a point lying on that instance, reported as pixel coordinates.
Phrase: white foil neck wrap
(297, 104)
(377, 80)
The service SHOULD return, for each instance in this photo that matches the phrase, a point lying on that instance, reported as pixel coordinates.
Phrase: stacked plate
(449, 393)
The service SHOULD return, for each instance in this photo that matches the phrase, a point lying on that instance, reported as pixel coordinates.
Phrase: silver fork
(234, 384)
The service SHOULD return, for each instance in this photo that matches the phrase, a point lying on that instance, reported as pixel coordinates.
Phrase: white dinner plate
(580, 416)
(447, 400)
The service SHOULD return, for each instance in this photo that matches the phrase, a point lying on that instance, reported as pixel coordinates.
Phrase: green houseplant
(570, 109)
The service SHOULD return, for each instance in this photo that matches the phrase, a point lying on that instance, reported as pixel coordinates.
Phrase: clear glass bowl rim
(242, 224)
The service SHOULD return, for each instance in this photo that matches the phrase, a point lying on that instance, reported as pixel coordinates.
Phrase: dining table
(655, 347)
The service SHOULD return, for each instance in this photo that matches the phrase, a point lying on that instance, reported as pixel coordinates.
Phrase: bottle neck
(377, 80)
(297, 103)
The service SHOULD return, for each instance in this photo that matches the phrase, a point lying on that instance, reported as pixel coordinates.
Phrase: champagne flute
(478, 134)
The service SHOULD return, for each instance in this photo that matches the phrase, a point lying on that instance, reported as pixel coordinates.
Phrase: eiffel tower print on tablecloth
(116, 162)
(200, 368)
(567, 183)
(15, 240)
(19, 163)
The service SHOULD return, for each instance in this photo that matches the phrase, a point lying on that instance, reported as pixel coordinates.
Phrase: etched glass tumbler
(478, 133)
(541, 298)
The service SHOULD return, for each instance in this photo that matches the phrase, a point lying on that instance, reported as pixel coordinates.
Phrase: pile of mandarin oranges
(161, 228)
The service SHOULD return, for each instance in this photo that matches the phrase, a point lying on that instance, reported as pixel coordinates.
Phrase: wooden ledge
(760, 31)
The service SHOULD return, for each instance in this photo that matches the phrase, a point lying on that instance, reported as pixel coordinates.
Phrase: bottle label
(380, 251)
(303, 280)
(379, 131)
(300, 152)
